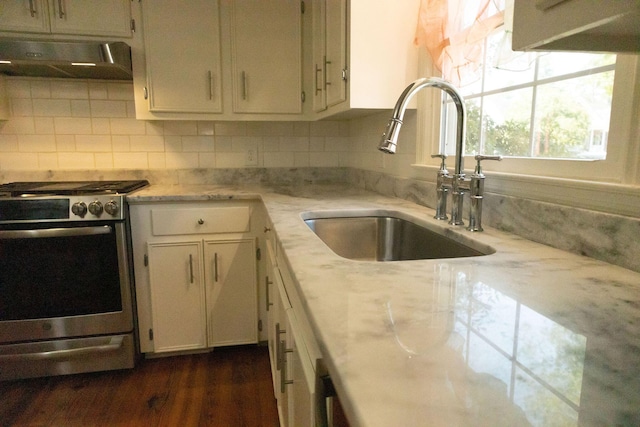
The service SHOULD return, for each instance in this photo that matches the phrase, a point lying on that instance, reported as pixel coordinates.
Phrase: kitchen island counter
(529, 335)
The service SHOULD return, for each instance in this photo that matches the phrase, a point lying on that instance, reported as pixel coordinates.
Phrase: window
(601, 155)
(548, 105)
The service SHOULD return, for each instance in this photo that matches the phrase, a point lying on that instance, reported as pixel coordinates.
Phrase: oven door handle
(54, 232)
(114, 343)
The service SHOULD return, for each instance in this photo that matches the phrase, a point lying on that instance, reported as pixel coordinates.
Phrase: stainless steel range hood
(81, 60)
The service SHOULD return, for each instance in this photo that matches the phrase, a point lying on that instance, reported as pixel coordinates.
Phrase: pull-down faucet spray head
(389, 140)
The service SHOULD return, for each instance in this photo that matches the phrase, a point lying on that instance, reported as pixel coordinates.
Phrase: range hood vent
(80, 60)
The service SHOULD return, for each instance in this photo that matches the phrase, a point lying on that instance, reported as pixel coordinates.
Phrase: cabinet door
(301, 375)
(336, 51)
(91, 17)
(177, 296)
(183, 69)
(232, 306)
(273, 305)
(266, 56)
(24, 15)
(318, 23)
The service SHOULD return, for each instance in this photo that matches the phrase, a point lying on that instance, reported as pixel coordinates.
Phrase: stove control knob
(79, 209)
(111, 207)
(95, 208)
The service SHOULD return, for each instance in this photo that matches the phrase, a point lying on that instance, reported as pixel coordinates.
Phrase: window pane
(557, 64)
(505, 68)
(506, 123)
(572, 118)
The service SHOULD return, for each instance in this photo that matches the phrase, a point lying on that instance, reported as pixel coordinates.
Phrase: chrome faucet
(456, 184)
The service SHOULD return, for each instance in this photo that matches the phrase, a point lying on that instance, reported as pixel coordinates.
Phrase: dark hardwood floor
(228, 387)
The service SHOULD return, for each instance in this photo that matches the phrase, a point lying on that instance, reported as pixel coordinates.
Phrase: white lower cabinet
(196, 276)
(177, 296)
(293, 351)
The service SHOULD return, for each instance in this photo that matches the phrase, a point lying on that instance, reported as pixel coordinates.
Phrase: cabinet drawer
(168, 222)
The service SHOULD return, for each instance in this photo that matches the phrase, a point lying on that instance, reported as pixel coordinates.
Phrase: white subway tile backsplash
(230, 160)
(48, 161)
(120, 143)
(198, 143)
(157, 160)
(8, 143)
(76, 160)
(207, 160)
(19, 161)
(51, 107)
(279, 160)
(44, 125)
(40, 88)
(21, 107)
(60, 124)
(127, 126)
(180, 128)
(65, 143)
(94, 143)
(69, 89)
(130, 160)
(101, 108)
(80, 108)
(36, 143)
(182, 160)
(72, 125)
(104, 160)
(98, 90)
(100, 126)
(146, 143)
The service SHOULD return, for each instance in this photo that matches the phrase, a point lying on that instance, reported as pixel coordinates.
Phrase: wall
(596, 234)
(68, 129)
(59, 124)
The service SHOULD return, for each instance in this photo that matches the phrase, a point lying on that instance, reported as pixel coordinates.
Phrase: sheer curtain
(453, 31)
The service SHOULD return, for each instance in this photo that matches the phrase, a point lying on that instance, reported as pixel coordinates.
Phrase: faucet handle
(443, 167)
(481, 157)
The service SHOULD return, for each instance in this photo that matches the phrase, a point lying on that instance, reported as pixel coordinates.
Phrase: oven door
(64, 280)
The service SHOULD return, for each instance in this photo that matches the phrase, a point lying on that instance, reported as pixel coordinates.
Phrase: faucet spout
(389, 141)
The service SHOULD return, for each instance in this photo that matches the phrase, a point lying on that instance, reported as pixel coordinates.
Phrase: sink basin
(388, 237)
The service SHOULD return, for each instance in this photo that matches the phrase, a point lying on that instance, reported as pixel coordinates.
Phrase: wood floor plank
(228, 387)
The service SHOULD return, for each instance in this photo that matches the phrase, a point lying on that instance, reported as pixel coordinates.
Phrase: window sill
(603, 197)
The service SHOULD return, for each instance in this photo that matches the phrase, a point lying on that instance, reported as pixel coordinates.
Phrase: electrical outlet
(251, 157)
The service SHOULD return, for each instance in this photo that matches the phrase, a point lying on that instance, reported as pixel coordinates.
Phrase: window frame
(609, 185)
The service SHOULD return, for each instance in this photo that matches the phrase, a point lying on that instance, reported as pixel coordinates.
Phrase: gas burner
(69, 188)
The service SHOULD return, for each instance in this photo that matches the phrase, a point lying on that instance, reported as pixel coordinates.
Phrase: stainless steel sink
(389, 238)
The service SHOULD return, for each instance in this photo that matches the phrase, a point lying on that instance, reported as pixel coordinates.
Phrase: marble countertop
(530, 335)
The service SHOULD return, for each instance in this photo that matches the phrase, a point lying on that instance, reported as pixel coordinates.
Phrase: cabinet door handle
(210, 78)
(267, 283)
(243, 78)
(278, 348)
(283, 372)
(326, 81)
(215, 267)
(32, 9)
(60, 9)
(318, 88)
(190, 268)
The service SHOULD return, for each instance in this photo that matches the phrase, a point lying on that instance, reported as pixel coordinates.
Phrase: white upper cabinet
(266, 56)
(578, 25)
(211, 60)
(329, 53)
(183, 73)
(69, 17)
(363, 54)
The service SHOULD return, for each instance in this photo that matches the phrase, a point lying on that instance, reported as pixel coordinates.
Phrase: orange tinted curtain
(453, 31)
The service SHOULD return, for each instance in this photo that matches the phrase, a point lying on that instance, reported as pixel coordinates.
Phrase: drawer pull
(201, 221)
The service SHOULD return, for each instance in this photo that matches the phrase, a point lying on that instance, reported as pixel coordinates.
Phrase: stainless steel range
(65, 278)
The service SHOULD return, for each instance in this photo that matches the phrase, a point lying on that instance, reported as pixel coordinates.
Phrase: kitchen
(73, 129)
